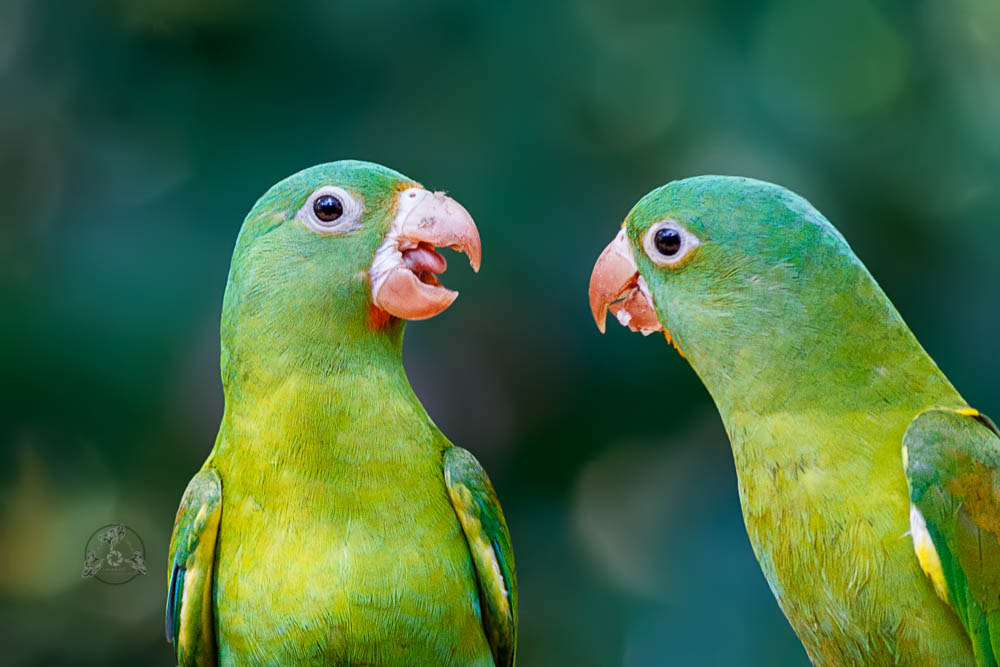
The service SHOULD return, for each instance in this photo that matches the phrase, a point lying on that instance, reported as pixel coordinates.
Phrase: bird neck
(320, 405)
(830, 347)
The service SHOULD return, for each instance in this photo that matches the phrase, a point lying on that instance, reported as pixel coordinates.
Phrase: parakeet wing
(190, 625)
(485, 529)
(952, 460)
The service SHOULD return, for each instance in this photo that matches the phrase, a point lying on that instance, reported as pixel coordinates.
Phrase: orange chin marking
(666, 334)
(378, 318)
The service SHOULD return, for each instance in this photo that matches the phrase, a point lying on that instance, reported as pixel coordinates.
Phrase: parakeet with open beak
(869, 487)
(333, 523)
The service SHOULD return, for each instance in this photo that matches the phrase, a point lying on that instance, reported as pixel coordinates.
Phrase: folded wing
(952, 463)
(190, 624)
(486, 531)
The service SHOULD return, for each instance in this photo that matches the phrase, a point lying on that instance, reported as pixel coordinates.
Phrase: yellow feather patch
(476, 536)
(927, 555)
(196, 634)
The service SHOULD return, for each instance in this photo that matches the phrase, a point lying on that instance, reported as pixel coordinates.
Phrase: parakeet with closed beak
(870, 489)
(333, 523)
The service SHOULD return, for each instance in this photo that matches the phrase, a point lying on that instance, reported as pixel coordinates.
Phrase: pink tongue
(424, 259)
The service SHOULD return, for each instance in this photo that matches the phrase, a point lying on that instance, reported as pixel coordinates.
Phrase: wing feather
(485, 529)
(191, 563)
(952, 463)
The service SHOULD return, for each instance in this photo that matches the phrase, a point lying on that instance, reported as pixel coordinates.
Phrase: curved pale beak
(404, 271)
(616, 285)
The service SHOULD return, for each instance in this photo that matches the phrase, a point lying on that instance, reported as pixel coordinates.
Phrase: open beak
(404, 271)
(616, 285)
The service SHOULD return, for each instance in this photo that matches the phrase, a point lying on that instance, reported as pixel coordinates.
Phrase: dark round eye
(328, 208)
(668, 241)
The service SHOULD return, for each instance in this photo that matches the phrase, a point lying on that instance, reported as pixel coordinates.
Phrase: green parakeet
(333, 523)
(869, 487)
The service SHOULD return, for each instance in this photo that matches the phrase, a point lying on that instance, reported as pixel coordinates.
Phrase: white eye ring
(663, 252)
(347, 221)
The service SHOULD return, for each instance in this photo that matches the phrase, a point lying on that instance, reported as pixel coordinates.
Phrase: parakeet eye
(328, 208)
(331, 210)
(668, 242)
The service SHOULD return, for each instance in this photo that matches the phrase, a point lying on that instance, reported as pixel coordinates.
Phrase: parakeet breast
(338, 542)
(826, 508)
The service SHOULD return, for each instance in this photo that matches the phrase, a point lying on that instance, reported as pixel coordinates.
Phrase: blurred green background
(135, 135)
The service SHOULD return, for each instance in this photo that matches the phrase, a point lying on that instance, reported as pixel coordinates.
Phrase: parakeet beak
(616, 285)
(404, 271)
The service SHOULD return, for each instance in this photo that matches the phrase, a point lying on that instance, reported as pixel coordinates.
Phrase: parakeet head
(341, 253)
(748, 280)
